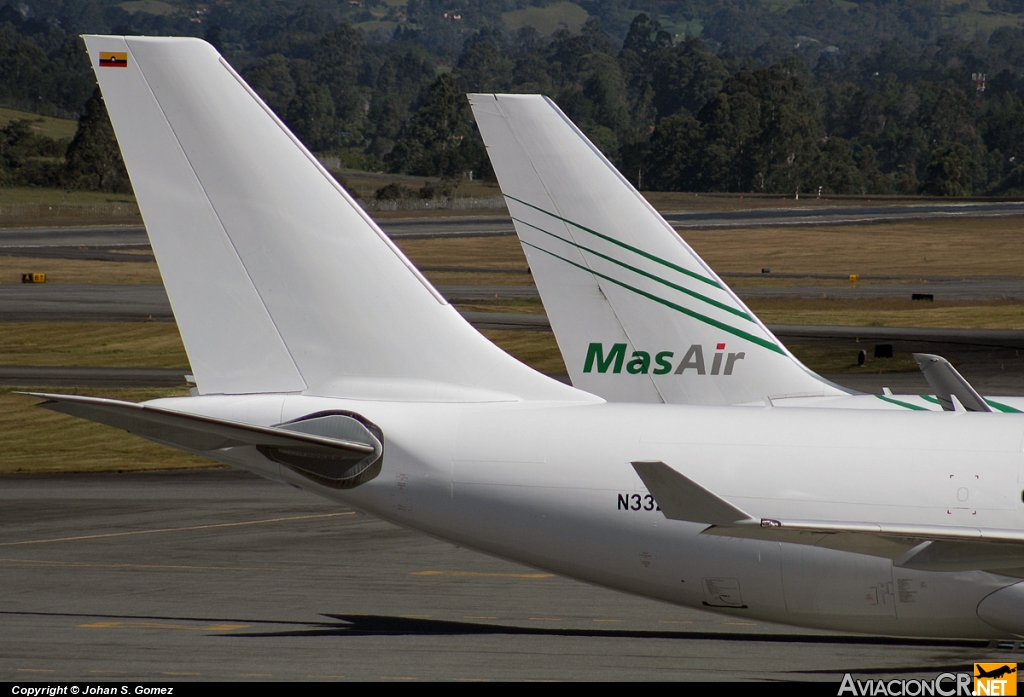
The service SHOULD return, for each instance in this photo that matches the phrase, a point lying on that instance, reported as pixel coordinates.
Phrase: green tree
(94, 159)
(272, 79)
(440, 140)
(762, 134)
(311, 117)
(672, 162)
(337, 62)
(838, 172)
(685, 76)
(530, 76)
(952, 171)
(483, 67)
(644, 38)
(872, 179)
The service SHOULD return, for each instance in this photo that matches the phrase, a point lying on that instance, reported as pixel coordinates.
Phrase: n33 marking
(637, 502)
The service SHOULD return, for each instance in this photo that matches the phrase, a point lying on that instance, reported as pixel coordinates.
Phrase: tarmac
(219, 575)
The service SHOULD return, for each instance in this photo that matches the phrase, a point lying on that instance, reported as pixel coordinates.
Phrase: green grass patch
(473, 278)
(32, 194)
(946, 247)
(499, 252)
(832, 360)
(80, 270)
(93, 344)
(43, 125)
(376, 25)
(974, 20)
(547, 20)
(41, 441)
(536, 349)
(153, 7)
(525, 307)
(891, 313)
(365, 184)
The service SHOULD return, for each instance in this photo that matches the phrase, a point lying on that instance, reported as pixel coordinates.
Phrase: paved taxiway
(216, 574)
(477, 226)
(841, 215)
(77, 376)
(70, 302)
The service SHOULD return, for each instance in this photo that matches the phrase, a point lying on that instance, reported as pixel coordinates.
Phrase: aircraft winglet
(949, 384)
(680, 498)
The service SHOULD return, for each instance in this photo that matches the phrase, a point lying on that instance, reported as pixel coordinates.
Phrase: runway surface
(92, 302)
(75, 376)
(483, 226)
(841, 215)
(942, 288)
(71, 302)
(216, 574)
(961, 288)
(89, 235)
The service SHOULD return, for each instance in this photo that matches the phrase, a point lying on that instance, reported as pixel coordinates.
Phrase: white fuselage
(550, 485)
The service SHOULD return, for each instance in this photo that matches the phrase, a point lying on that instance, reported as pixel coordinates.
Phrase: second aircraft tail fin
(638, 316)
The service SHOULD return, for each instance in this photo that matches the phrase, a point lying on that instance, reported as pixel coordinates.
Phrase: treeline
(675, 116)
(91, 160)
(873, 99)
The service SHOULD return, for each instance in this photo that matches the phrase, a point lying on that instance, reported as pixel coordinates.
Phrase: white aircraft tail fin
(279, 281)
(638, 316)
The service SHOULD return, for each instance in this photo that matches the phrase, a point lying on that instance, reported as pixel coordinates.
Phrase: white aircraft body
(325, 360)
(637, 314)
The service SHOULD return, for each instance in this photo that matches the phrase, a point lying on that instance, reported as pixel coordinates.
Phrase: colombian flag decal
(113, 59)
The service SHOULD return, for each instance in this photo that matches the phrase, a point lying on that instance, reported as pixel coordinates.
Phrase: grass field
(954, 247)
(99, 344)
(830, 360)
(43, 125)
(670, 201)
(53, 197)
(548, 19)
(41, 441)
(498, 252)
(473, 278)
(79, 270)
(365, 184)
(891, 313)
(153, 7)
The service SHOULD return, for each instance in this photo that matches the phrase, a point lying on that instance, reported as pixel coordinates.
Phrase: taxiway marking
(157, 625)
(180, 567)
(478, 574)
(184, 529)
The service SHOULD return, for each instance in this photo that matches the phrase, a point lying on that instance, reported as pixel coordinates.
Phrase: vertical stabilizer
(278, 280)
(637, 314)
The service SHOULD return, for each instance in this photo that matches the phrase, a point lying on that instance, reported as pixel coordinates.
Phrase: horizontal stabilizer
(949, 383)
(683, 499)
(336, 449)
